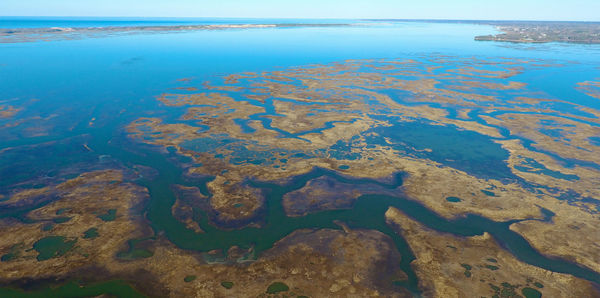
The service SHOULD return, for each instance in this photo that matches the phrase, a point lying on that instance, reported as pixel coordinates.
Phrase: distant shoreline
(161, 27)
(482, 22)
(579, 32)
(12, 35)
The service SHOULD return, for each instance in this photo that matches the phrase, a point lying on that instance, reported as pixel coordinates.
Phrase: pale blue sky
(583, 10)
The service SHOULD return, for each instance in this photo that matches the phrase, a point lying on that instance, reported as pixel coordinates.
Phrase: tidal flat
(411, 175)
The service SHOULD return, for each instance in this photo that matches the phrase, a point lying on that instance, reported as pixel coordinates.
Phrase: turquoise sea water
(116, 79)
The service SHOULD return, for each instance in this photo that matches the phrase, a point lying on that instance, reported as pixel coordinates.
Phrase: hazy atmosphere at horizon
(576, 10)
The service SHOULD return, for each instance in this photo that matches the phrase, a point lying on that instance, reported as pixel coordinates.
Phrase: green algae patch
(60, 220)
(507, 290)
(136, 250)
(538, 284)
(47, 227)
(8, 257)
(52, 246)
(468, 268)
(277, 287)
(227, 284)
(12, 254)
(453, 199)
(492, 260)
(189, 278)
(492, 267)
(110, 215)
(62, 210)
(531, 293)
(91, 233)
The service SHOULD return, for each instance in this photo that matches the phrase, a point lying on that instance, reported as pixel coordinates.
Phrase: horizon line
(302, 18)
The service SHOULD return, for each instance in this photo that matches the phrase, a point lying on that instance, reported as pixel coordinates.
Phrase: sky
(572, 10)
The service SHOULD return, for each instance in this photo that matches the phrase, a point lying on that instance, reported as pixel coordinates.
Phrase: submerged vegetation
(277, 287)
(52, 247)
